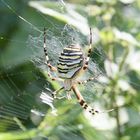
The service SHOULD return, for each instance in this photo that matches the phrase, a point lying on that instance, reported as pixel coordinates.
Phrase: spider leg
(82, 101)
(56, 92)
(47, 99)
(89, 51)
(88, 80)
(69, 95)
(85, 81)
(52, 68)
(53, 78)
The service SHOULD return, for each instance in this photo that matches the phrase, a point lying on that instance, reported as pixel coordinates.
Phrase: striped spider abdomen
(71, 61)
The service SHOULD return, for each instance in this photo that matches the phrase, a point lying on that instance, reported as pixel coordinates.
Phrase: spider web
(67, 35)
(13, 95)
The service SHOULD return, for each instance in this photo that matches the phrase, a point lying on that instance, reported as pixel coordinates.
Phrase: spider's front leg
(82, 101)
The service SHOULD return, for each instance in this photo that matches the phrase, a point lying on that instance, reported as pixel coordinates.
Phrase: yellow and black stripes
(70, 61)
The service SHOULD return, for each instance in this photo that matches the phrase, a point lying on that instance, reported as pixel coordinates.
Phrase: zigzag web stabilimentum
(23, 81)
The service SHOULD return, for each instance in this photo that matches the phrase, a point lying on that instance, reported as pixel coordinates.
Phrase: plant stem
(117, 118)
(118, 123)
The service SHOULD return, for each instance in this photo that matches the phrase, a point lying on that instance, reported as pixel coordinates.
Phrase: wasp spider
(71, 63)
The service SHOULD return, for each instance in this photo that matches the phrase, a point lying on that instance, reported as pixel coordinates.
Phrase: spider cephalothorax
(71, 63)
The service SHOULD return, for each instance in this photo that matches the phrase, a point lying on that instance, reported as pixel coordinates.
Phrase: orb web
(55, 43)
(14, 92)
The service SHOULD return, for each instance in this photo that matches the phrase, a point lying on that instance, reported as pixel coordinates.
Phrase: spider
(71, 63)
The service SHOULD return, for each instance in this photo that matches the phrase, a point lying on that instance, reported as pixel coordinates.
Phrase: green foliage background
(117, 24)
